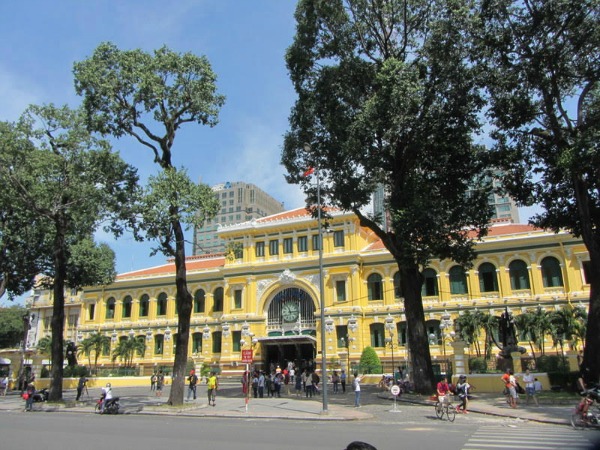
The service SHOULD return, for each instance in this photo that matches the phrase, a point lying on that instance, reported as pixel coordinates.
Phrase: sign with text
(247, 356)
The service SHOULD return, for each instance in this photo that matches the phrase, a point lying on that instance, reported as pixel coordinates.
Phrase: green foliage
(477, 365)
(369, 361)
(150, 97)
(387, 98)
(127, 348)
(95, 343)
(171, 195)
(75, 371)
(539, 64)
(551, 363)
(11, 326)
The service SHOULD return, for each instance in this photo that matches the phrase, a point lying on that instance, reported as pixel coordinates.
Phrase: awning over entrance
(292, 339)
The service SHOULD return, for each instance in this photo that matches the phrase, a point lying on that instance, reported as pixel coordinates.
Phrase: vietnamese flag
(309, 171)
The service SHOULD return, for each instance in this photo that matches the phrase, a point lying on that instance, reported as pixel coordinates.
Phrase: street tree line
(391, 93)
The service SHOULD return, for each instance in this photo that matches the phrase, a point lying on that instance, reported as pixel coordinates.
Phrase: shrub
(477, 365)
(551, 363)
(369, 361)
(75, 371)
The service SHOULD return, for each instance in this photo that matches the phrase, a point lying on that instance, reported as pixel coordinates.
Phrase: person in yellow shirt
(213, 384)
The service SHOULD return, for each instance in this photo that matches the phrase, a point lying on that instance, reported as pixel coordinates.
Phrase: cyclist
(443, 390)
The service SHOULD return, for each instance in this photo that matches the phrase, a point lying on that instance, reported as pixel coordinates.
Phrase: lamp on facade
(245, 329)
(206, 332)
(352, 323)
(79, 336)
(167, 334)
(113, 336)
(446, 325)
(226, 329)
(131, 334)
(329, 325)
(148, 334)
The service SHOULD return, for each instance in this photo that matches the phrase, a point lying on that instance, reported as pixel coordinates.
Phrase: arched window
(519, 275)
(110, 308)
(458, 280)
(144, 305)
(197, 343)
(218, 299)
(161, 304)
(488, 280)
(159, 344)
(375, 287)
(127, 301)
(430, 283)
(377, 335)
(199, 301)
(551, 272)
(397, 287)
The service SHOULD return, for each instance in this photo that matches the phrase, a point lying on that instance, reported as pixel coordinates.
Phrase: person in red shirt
(443, 389)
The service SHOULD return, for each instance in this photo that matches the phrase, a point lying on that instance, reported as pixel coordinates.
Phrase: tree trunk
(591, 352)
(418, 342)
(184, 303)
(58, 314)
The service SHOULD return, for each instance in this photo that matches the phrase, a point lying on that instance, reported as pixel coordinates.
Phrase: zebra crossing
(532, 437)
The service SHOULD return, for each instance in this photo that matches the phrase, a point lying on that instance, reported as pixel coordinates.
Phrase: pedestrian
(81, 385)
(537, 384)
(153, 379)
(212, 384)
(358, 445)
(192, 384)
(298, 385)
(261, 384)
(356, 386)
(315, 382)
(309, 385)
(255, 385)
(462, 388)
(529, 381)
(277, 380)
(28, 396)
(510, 383)
(160, 381)
(268, 383)
(343, 381)
(4, 386)
(335, 379)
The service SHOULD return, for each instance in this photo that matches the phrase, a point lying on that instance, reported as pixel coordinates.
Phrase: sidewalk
(495, 405)
(141, 401)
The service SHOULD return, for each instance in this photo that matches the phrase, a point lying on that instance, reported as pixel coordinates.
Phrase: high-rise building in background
(240, 202)
(505, 208)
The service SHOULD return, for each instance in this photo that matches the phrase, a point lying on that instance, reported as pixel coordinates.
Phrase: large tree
(541, 66)
(386, 98)
(66, 182)
(149, 97)
(11, 326)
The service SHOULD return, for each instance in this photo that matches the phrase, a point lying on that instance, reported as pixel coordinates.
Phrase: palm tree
(564, 327)
(490, 324)
(539, 326)
(524, 322)
(97, 343)
(126, 349)
(471, 323)
(581, 317)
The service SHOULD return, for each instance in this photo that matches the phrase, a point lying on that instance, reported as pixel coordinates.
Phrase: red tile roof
(197, 262)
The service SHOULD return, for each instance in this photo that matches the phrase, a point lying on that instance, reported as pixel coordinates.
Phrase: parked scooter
(41, 395)
(111, 407)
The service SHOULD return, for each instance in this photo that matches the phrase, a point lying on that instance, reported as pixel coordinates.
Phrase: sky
(245, 42)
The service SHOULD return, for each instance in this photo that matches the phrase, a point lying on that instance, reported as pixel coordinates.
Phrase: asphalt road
(409, 427)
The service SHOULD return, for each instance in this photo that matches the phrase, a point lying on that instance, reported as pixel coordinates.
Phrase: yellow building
(265, 294)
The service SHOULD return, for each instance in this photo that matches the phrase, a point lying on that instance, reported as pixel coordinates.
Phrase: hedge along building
(264, 294)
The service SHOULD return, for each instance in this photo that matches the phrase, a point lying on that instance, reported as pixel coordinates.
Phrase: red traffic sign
(246, 356)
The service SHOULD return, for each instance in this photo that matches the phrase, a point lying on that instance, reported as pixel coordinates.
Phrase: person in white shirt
(356, 385)
(529, 380)
(106, 396)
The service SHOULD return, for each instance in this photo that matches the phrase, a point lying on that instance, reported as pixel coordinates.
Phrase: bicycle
(586, 414)
(445, 406)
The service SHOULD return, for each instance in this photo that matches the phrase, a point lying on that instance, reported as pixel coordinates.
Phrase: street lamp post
(389, 326)
(308, 148)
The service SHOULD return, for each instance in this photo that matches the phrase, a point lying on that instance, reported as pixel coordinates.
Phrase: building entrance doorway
(281, 350)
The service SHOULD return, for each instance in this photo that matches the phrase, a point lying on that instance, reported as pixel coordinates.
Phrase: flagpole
(308, 148)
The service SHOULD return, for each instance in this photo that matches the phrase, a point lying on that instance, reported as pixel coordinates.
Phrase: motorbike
(41, 395)
(591, 418)
(111, 407)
